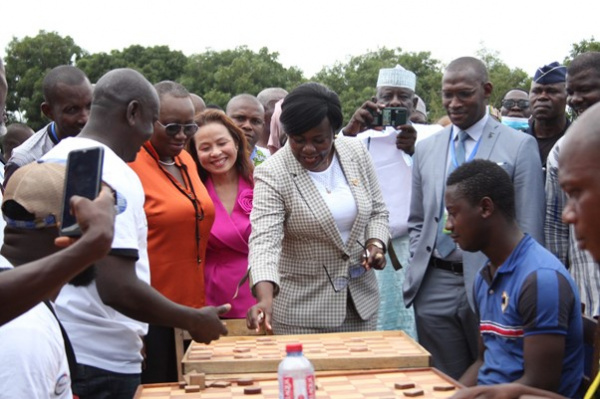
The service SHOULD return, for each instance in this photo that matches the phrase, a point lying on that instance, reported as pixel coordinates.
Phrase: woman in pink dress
(221, 154)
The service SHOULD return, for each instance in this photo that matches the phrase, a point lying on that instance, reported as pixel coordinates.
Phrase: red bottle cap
(293, 348)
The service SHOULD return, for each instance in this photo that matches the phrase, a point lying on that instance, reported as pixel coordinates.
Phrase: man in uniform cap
(548, 99)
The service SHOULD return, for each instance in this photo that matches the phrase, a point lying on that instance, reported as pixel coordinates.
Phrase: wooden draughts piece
(245, 381)
(404, 385)
(192, 388)
(252, 390)
(198, 379)
(220, 384)
(182, 384)
(241, 350)
(411, 393)
(443, 388)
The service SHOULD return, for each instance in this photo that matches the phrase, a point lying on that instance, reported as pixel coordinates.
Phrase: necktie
(460, 148)
(444, 244)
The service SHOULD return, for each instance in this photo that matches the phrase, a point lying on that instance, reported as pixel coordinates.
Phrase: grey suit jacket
(515, 151)
(294, 235)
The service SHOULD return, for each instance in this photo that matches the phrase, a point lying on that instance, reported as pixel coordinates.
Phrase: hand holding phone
(390, 116)
(84, 178)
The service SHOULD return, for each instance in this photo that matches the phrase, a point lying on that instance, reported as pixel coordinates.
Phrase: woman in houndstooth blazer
(316, 203)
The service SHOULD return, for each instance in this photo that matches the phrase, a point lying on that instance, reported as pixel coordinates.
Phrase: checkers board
(335, 351)
(369, 384)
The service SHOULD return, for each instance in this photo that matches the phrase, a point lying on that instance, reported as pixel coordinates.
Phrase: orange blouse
(176, 252)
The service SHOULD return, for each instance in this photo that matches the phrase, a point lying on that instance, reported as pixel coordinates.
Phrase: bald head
(271, 95)
(121, 86)
(124, 108)
(249, 115)
(199, 104)
(16, 134)
(475, 67)
(246, 99)
(62, 75)
(583, 137)
(268, 98)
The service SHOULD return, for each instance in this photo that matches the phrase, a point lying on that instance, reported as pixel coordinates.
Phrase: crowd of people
(479, 238)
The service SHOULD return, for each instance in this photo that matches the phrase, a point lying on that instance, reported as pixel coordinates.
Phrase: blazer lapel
(349, 165)
(440, 149)
(489, 136)
(314, 201)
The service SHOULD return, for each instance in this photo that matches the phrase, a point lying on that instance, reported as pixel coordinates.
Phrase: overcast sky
(310, 34)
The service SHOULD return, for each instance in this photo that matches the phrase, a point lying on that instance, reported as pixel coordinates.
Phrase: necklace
(166, 163)
(328, 178)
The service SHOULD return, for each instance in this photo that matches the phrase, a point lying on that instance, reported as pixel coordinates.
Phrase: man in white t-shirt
(107, 318)
(37, 360)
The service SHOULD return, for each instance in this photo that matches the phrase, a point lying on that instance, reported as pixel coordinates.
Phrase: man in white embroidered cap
(383, 124)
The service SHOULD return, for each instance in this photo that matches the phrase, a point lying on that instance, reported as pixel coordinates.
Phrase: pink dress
(227, 252)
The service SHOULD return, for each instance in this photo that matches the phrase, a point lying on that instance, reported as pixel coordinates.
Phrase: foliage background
(219, 75)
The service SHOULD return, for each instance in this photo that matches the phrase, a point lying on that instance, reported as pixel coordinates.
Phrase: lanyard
(453, 150)
(52, 130)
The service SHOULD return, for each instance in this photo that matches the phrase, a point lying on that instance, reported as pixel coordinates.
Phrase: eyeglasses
(341, 282)
(173, 129)
(522, 104)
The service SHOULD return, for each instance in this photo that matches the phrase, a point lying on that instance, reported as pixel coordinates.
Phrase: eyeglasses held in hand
(173, 129)
(522, 104)
(341, 282)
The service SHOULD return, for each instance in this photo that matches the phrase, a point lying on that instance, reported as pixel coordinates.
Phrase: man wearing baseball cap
(38, 360)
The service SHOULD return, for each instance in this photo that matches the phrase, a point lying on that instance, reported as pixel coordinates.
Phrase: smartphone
(84, 178)
(390, 116)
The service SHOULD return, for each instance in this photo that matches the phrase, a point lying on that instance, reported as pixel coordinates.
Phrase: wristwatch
(377, 244)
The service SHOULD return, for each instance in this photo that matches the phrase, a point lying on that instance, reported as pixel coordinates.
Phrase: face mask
(516, 123)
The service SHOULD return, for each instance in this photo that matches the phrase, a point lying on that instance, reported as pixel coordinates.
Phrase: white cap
(396, 77)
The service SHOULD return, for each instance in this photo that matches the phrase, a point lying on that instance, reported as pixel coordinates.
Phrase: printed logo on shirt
(62, 384)
(504, 301)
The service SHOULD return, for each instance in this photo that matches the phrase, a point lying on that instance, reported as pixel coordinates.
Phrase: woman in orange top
(180, 215)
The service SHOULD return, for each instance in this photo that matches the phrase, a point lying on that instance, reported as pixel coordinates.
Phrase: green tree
(27, 62)
(218, 76)
(155, 63)
(583, 46)
(502, 77)
(354, 81)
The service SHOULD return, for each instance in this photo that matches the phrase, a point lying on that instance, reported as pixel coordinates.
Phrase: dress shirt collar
(475, 131)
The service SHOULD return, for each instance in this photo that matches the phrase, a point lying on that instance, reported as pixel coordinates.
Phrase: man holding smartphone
(391, 148)
(107, 319)
(37, 357)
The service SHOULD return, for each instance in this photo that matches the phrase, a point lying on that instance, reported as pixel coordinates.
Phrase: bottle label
(297, 388)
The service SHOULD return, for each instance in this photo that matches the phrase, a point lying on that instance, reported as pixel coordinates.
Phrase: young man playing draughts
(528, 305)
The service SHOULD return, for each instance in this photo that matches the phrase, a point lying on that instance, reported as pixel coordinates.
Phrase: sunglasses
(173, 129)
(341, 282)
(522, 104)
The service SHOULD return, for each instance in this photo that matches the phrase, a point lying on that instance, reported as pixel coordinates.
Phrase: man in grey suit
(439, 281)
